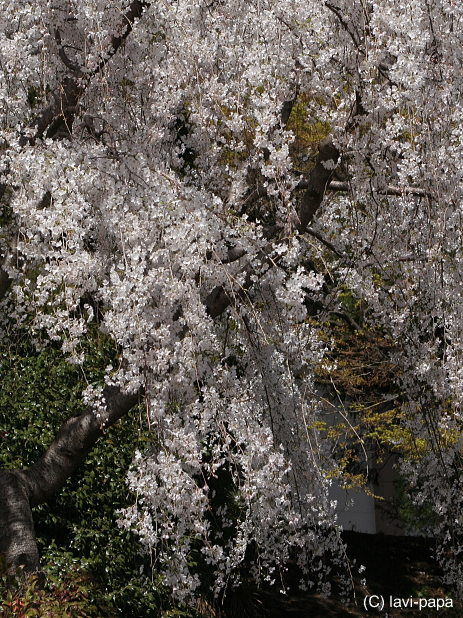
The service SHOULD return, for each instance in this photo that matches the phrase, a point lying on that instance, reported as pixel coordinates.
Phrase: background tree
(208, 184)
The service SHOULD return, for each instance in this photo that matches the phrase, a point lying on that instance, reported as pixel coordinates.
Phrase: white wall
(355, 509)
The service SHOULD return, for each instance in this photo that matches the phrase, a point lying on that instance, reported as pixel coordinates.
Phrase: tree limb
(21, 490)
(9, 257)
(73, 66)
(325, 242)
(219, 299)
(58, 117)
(335, 185)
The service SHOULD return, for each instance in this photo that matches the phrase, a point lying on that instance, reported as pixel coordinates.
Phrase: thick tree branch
(318, 180)
(135, 11)
(20, 490)
(9, 257)
(73, 66)
(335, 185)
(72, 444)
(344, 187)
(219, 298)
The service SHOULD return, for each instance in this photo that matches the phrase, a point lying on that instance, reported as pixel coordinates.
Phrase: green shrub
(77, 532)
(73, 596)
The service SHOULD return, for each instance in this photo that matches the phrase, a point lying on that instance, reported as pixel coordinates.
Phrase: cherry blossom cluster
(138, 208)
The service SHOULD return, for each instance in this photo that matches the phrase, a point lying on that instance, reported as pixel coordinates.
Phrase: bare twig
(327, 243)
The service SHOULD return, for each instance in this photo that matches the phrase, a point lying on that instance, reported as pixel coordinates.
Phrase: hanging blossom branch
(148, 251)
(57, 119)
(21, 490)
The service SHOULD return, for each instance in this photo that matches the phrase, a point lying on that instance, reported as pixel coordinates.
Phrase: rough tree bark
(21, 490)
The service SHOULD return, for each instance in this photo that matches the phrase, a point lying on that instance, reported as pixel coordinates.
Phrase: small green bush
(73, 596)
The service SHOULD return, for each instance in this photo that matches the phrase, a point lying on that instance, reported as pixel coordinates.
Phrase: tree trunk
(21, 490)
(17, 536)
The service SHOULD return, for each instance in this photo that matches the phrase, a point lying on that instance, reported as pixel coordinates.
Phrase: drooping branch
(20, 490)
(57, 119)
(219, 299)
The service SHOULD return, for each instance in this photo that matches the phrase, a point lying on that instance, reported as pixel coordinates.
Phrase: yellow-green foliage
(360, 374)
(358, 364)
(308, 131)
(358, 369)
